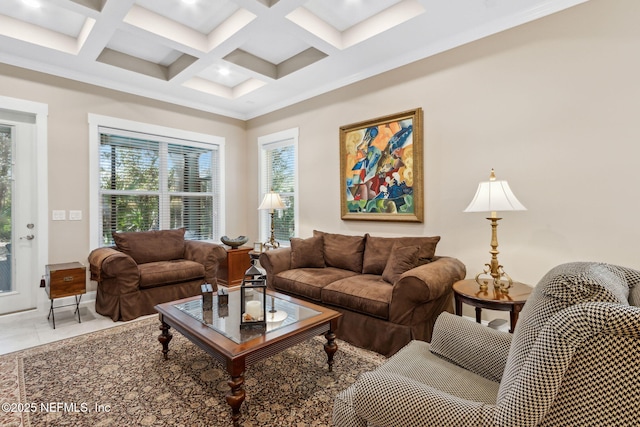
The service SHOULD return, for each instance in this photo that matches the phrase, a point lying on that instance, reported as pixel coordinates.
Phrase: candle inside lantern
(254, 309)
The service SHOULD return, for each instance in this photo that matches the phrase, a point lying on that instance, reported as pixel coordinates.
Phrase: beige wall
(553, 106)
(69, 104)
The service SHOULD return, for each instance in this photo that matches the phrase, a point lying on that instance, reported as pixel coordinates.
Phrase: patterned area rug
(117, 377)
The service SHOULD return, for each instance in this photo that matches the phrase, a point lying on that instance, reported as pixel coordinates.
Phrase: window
(279, 172)
(146, 181)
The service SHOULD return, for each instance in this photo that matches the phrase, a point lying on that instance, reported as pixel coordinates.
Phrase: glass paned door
(18, 231)
(6, 192)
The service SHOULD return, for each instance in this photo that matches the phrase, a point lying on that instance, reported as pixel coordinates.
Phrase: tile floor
(31, 328)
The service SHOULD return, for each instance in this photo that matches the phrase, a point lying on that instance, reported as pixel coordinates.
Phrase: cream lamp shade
(271, 201)
(493, 196)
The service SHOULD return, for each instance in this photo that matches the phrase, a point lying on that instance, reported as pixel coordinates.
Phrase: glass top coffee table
(218, 333)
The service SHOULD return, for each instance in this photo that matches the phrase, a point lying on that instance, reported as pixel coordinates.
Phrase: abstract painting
(381, 168)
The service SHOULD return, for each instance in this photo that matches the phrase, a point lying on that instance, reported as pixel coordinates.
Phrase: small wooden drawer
(231, 272)
(63, 280)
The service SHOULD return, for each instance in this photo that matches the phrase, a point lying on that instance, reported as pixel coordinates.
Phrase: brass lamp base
(499, 284)
(501, 280)
(272, 243)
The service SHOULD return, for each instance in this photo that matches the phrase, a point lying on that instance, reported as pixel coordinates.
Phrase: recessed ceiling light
(189, 1)
(32, 3)
(224, 71)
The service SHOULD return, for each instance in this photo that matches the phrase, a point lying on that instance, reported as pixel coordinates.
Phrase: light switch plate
(75, 215)
(58, 215)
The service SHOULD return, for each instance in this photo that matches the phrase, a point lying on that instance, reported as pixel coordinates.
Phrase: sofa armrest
(423, 284)
(119, 270)
(274, 261)
(473, 346)
(208, 254)
(385, 399)
(96, 258)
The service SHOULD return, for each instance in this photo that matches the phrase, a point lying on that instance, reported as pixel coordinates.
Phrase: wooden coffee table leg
(330, 347)
(237, 394)
(165, 338)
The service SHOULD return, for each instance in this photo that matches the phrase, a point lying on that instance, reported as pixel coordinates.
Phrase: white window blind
(151, 182)
(278, 157)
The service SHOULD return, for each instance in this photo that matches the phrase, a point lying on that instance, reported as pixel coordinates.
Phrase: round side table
(468, 292)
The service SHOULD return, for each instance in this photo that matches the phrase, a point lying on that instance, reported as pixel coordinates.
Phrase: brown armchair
(148, 268)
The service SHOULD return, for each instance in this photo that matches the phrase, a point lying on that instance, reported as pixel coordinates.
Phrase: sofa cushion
(342, 251)
(161, 273)
(364, 293)
(378, 249)
(151, 246)
(402, 259)
(307, 252)
(308, 282)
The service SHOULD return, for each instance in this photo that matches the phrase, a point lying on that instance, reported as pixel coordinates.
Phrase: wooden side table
(65, 280)
(231, 272)
(468, 292)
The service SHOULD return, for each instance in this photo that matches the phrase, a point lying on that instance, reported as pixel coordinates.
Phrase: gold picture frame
(381, 164)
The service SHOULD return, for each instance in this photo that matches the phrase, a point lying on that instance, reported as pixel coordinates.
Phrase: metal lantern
(253, 299)
(207, 303)
(223, 302)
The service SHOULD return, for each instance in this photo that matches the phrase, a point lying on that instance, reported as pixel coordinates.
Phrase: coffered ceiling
(243, 58)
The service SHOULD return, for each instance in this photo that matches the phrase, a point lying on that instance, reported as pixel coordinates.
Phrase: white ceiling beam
(166, 28)
(24, 31)
(105, 26)
(381, 22)
(231, 26)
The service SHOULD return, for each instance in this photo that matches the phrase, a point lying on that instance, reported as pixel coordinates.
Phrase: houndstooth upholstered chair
(573, 360)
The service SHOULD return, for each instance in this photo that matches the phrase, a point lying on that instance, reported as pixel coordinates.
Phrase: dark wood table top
(470, 291)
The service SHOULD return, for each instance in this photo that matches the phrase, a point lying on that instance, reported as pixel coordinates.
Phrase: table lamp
(271, 201)
(492, 196)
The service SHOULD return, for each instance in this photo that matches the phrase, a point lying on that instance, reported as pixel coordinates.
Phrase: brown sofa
(389, 290)
(148, 268)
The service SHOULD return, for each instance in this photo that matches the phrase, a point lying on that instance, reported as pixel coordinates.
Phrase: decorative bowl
(235, 241)
(275, 319)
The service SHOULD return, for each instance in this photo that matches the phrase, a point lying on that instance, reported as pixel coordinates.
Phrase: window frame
(280, 139)
(161, 133)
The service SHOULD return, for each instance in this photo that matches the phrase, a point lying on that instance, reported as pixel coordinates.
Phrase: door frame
(41, 112)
